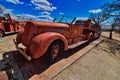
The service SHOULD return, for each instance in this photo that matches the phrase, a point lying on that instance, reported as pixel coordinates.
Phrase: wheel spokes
(55, 51)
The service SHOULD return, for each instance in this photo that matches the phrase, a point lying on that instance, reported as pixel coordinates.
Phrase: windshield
(66, 19)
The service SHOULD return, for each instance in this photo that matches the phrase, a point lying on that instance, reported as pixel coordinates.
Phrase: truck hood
(33, 28)
(49, 24)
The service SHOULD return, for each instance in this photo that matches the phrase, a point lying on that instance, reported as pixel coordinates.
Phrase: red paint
(38, 36)
(9, 25)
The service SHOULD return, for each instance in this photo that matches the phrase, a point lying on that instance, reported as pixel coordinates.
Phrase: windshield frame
(64, 19)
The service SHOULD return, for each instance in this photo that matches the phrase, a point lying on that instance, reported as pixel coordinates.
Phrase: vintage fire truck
(8, 25)
(52, 38)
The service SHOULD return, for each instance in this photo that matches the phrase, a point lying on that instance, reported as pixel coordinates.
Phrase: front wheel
(53, 51)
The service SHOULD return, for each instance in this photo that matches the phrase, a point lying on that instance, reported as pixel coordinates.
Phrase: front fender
(19, 36)
(41, 42)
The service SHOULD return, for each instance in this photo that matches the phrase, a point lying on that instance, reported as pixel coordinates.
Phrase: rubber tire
(90, 38)
(1, 34)
(50, 51)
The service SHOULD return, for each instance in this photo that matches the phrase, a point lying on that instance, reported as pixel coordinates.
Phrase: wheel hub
(55, 51)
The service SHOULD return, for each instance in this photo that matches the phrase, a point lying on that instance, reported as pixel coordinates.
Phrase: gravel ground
(101, 63)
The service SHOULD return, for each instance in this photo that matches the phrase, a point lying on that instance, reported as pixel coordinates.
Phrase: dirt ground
(101, 63)
(98, 64)
(6, 44)
(115, 36)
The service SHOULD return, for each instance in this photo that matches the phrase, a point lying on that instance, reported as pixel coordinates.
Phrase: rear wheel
(99, 35)
(90, 38)
(1, 34)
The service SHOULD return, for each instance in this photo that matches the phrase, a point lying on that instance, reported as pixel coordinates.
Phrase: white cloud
(8, 11)
(44, 2)
(28, 16)
(82, 18)
(5, 10)
(95, 11)
(53, 7)
(45, 17)
(43, 5)
(61, 13)
(45, 13)
(36, 18)
(24, 17)
(15, 1)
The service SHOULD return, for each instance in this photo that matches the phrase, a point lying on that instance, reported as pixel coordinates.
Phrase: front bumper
(21, 50)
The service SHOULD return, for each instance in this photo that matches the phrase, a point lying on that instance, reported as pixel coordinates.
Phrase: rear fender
(41, 42)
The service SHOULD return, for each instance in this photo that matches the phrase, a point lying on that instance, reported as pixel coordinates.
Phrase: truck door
(7, 27)
(76, 33)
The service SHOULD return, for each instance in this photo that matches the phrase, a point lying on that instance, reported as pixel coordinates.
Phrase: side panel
(40, 43)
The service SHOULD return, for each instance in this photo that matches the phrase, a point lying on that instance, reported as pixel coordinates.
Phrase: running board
(11, 32)
(76, 44)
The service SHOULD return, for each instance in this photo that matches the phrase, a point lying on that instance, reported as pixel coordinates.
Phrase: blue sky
(48, 9)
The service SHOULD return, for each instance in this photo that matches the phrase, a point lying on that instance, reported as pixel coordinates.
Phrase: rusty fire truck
(8, 25)
(53, 37)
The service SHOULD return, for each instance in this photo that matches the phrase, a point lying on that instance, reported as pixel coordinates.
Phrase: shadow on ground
(18, 68)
